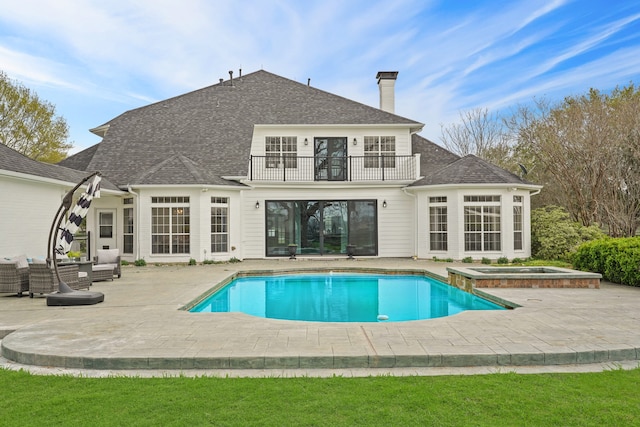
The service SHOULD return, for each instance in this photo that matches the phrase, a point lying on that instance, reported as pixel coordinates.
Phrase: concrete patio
(140, 328)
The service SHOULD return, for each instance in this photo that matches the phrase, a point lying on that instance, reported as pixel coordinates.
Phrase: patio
(139, 327)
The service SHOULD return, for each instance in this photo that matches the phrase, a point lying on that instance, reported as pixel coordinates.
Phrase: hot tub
(521, 277)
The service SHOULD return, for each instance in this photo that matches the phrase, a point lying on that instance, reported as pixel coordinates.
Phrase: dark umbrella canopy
(79, 211)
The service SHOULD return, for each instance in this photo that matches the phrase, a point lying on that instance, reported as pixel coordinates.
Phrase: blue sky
(97, 59)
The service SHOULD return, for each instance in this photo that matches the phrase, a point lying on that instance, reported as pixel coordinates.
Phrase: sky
(94, 60)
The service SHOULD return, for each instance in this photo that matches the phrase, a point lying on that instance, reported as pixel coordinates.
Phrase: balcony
(333, 168)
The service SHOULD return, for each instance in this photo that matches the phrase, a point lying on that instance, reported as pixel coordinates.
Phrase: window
(105, 224)
(170, 225)
(281, 151)
(517, 223)
(127, 246)
(438, 236)
(219, 224)
(482, 223)
(380, 151)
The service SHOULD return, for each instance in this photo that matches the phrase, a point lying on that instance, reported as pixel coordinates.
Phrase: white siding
(395, 222)
(26, 213)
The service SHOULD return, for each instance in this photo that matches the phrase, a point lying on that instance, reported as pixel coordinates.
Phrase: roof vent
(386, 84)
(231, 77)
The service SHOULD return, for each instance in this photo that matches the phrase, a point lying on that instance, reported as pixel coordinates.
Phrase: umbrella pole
(55, 226)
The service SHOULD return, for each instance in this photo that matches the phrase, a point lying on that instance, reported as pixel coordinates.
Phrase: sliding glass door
(321, 227)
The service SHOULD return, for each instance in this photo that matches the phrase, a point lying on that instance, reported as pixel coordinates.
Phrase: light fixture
(384, 203)
(258, 205)
(355, 141)
(306, 141)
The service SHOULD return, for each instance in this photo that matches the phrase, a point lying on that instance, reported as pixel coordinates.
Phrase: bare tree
(479, 132)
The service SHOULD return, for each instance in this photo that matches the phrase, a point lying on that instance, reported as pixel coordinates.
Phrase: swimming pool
(342, 297)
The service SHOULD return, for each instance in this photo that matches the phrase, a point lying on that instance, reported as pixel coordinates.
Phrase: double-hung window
(517, 223)
(482, 223)
(379, 151)
(170, 225)
(219, 224)
(127, 232)
(438, 234)
(281, 151)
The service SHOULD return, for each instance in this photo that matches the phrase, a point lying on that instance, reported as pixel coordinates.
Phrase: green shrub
(192, 261)
(618, 260)
(449, 260)
(517, 261)
(140, 262)
(503, 260)
(124, 262)
(485, 260)
(467, 260)
(555, 236)
(234, 260)
(208, 261)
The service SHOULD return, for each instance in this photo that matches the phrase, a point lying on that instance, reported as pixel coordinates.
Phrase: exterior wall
(403, 137)
(26, 213)
(455, 222)
(395, 222)
(199, 224)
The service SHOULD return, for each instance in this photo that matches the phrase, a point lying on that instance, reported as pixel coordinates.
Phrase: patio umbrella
(79, 211)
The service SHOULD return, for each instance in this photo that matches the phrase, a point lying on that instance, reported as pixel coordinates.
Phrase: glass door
(330, 159)
(320, 227)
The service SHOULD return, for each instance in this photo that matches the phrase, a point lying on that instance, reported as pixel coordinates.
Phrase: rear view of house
(256, 163)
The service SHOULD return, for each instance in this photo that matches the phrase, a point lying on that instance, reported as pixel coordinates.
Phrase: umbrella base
(74, 298)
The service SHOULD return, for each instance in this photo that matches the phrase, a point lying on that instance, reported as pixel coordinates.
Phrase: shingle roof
(11, 160)
(432, 156)
(80, 161)
(470, 170)
(209, 130)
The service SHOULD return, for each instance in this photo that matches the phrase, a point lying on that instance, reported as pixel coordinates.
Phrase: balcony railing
(328, 168)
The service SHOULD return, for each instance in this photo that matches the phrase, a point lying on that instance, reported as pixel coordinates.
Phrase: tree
(479, 132)
(587, 152)
(29, 125)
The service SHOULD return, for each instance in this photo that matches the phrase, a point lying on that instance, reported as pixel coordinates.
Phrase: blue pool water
(342, 298)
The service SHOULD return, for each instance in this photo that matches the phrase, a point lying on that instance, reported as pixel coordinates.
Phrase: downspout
(535, 193)
(415, 222)
(137, 225)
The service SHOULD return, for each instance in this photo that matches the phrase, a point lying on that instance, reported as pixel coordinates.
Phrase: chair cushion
(103, 267)
(38, 261)
(21, 261)
(107, 256)
(7, 261)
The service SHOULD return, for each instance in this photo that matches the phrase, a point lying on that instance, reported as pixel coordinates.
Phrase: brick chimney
(386, 84)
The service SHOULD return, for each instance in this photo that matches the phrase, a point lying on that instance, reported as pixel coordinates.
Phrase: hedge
(618, 260)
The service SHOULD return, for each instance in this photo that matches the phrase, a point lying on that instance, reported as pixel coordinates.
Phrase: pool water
(342, 298)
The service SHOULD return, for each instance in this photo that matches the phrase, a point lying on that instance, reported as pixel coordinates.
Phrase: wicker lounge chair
(43, 280)
(14, 277)
(106, 264)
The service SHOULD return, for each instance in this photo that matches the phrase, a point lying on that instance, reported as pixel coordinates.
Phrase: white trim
(42, 179)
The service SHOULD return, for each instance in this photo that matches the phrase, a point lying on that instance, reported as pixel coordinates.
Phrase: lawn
(506, 399)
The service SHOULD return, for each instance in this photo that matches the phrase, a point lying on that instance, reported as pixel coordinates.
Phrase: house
(31, 195)
(246, 167)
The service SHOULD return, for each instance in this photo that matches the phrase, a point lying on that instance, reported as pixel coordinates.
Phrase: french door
(330, 159)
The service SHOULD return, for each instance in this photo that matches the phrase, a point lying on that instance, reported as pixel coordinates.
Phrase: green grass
(600, 399)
